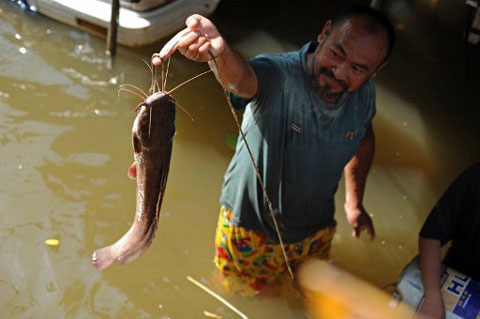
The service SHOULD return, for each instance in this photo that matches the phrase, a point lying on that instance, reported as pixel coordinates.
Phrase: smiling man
(307, 119)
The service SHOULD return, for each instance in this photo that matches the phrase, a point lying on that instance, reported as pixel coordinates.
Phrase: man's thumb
(193, 21)
(356, 232)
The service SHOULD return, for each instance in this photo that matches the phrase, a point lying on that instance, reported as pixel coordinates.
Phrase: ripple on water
(89, 159)
(83, 113)
(83, 78)
(4, 95)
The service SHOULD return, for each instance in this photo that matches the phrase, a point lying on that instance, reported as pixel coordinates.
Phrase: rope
(259, 177)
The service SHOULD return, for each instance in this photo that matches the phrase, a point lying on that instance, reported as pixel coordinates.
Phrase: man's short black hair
(374, 21)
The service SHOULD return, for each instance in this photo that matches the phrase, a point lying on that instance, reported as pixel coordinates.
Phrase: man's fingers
(371, 231)
(188, 39)
(169, 48)
(194, 42)
(172, 45)
(193, 48)
(358, 229)
(356, 232)
(203, 51)
(193, 21)
(201, 40)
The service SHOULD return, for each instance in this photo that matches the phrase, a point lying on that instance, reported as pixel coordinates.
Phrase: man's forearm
(234, 73)
(356, 171)
(430, 261)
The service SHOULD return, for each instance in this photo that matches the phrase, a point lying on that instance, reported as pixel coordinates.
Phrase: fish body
(152, 138)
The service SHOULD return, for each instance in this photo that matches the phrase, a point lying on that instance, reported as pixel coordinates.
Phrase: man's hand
(432, 307)
(358, 218)
(197, 42)
(202, 42)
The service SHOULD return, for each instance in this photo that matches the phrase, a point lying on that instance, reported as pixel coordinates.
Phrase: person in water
(456, 219)
(307, 120)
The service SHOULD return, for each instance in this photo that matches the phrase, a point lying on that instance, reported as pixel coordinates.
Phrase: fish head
(155, 122)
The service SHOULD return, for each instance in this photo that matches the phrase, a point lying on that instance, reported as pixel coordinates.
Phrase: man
(307, 118)
(455, 218)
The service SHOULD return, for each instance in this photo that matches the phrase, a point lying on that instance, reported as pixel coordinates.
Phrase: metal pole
(112, 30)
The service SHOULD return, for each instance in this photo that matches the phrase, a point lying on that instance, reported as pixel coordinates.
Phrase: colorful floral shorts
(252, 257)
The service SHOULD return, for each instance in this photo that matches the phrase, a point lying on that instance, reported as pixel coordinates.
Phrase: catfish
(152, 139)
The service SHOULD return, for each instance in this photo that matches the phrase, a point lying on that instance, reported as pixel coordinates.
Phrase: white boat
(140, 21)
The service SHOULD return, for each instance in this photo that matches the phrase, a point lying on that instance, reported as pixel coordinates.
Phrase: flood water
(65, 147)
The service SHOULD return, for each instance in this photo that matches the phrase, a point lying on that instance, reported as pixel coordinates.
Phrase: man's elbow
(367, 144)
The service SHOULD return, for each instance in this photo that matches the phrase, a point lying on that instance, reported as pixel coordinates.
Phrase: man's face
(346, 57)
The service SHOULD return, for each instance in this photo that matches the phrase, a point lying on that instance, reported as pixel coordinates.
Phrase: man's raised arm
(202, 42)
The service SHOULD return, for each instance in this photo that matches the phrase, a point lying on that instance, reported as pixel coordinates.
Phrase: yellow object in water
(334, 293)
(212, 315)
(52, 242)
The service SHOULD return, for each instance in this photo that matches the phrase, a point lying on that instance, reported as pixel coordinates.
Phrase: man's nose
(340, 72)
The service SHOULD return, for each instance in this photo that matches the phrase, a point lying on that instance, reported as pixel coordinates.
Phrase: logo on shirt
(351, 134)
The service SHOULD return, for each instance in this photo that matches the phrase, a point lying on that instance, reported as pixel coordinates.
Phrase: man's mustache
(327, 72)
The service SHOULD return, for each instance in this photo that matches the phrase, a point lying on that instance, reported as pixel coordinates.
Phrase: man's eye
(358, 70)
(335, 54)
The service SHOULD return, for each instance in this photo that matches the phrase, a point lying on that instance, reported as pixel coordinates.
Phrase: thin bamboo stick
(226, 303)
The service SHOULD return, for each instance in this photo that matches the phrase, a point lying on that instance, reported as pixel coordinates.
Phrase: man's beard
(326, 90)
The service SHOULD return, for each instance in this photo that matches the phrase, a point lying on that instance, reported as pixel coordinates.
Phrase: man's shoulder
(471, 174)
(368, 88)
(475, 168)
(279, 60)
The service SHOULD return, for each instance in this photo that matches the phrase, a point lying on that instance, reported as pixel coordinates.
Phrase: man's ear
(326, 29)
(378, 69)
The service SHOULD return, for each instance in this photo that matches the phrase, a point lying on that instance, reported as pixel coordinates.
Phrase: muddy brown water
(65, 149)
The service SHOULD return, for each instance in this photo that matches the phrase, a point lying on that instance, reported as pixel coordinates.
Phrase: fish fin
(132, 171)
